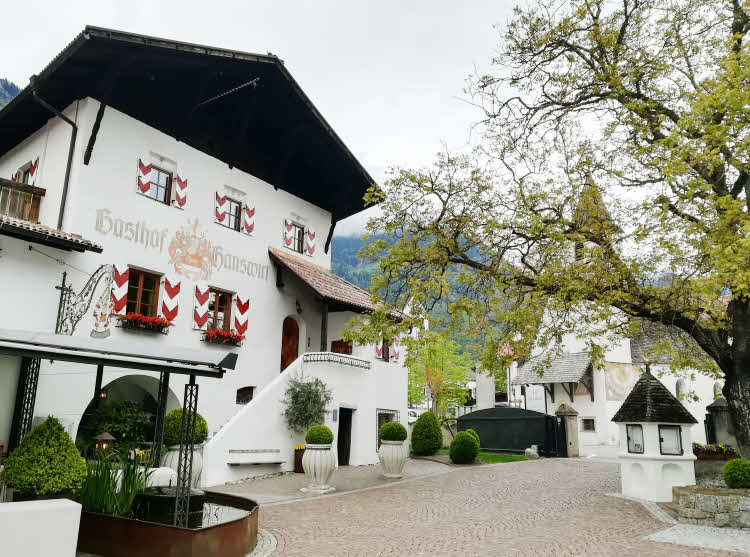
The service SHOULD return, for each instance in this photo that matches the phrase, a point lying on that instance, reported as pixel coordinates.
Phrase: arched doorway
(289, 342)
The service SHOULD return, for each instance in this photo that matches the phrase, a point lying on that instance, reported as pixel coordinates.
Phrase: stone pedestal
(569, 416)
(722, 422)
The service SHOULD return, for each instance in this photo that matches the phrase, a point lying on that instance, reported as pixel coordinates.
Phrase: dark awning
(110, 352)
(271, 130)
(44, 235)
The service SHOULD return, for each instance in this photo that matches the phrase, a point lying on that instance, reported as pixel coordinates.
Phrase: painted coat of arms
(191, 253)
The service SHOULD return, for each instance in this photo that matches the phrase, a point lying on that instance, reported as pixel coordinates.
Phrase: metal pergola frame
(32, 347)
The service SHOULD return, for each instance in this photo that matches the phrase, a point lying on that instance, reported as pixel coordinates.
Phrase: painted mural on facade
(620, 379)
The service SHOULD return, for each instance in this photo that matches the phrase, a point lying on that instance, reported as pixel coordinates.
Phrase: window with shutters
(143, 292)
(161, 185)
(298, 238)
(233, 219)
(219, 310)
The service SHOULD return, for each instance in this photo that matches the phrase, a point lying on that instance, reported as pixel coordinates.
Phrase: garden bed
(230, 530)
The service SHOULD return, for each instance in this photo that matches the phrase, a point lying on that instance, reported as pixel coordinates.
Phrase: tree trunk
(737, 375)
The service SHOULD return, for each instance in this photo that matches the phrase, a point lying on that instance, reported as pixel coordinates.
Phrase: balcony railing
(336, 358)
(20, 201)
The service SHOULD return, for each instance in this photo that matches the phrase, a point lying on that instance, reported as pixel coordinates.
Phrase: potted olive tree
(46, 465)
(318, 460)
(391, 453)
(172, 427)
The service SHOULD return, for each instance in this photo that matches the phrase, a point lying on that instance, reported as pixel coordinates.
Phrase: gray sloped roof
(568, 368)
(651, 401)
(642, 345)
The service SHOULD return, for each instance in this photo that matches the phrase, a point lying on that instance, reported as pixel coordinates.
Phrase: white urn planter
(318, 463)
(172, 457)
(392, 458)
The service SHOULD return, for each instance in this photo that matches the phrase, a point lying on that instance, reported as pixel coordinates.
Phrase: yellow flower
(298, 447)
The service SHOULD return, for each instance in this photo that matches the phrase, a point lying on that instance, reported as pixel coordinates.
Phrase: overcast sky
(388, 75)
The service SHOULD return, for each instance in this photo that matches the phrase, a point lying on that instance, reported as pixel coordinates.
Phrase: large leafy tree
(439, 365)
(612, 190)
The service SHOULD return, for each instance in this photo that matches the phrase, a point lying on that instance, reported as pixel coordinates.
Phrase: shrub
(392, 431)
(426, 437)
(475, 434)
(737, 474)
(306, 403)
(127, 421)
(319, 435)
(464, 448)
(173, 425)
(46, 462)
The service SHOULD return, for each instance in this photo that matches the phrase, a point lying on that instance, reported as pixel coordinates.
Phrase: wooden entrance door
(289, 342)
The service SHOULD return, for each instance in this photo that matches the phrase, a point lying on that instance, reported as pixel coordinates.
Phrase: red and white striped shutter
(241, 313)
(200, 312)
(33, 171)
(180, 191)
(221, 207)
(121, 274)
(144, 176)
(170, 297)
(288, 233)
(309, 242)
(248, 219)
(396, 346)
(14, 177)
(379, 348)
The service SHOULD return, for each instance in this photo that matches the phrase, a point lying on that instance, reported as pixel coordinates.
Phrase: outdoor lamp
(104, 441)
(103, 394)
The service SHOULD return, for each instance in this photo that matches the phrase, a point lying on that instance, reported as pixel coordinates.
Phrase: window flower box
(140, 322)
(227, 338)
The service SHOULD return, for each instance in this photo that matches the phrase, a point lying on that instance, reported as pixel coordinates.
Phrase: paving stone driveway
(545, 507)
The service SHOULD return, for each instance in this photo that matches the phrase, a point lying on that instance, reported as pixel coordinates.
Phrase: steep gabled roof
(568, 368)
(651, 401)
(244, 109)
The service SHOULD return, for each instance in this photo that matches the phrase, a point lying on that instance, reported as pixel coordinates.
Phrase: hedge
(319, 435)
(173, 425)
(426, 436)
(392, 431)
(464, 448)
(46, 462)
(475, 434)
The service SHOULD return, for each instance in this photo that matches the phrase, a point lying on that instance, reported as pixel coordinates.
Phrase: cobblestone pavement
(284, 487)
(545, 507)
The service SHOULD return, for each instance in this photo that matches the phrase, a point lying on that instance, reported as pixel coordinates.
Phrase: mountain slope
(8, 90)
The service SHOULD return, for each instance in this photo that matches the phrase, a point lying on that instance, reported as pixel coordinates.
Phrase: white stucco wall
(34, 528)
(103, 205)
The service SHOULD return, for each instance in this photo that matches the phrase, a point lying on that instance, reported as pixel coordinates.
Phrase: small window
(233, 219)
(219, 310)
(588, 424)
(143, 292)
(298, 237)
(245, 395)
(670, 439)
(161, 185)
(635, 438)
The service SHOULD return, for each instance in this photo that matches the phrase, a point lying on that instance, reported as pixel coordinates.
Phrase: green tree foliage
(426, 436)
(440, 366)
(173, 426)
(611, 191)
(306, 403)
(464, 448)
(126, 421)
(46, 462)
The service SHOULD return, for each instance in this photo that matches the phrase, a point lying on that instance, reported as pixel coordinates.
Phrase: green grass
(494, 457)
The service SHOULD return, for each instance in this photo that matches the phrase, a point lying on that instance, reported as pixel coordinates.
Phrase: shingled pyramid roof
(651, 401)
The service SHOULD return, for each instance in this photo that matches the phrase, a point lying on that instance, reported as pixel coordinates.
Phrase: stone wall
(725, 508)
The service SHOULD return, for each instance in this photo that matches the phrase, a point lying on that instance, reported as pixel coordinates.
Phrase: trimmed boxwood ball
(46, 462)
(392, 431)
(737, 473)
(464, 448)
(173, 424)
(475, 434)
(426, 437)
(319, 435)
